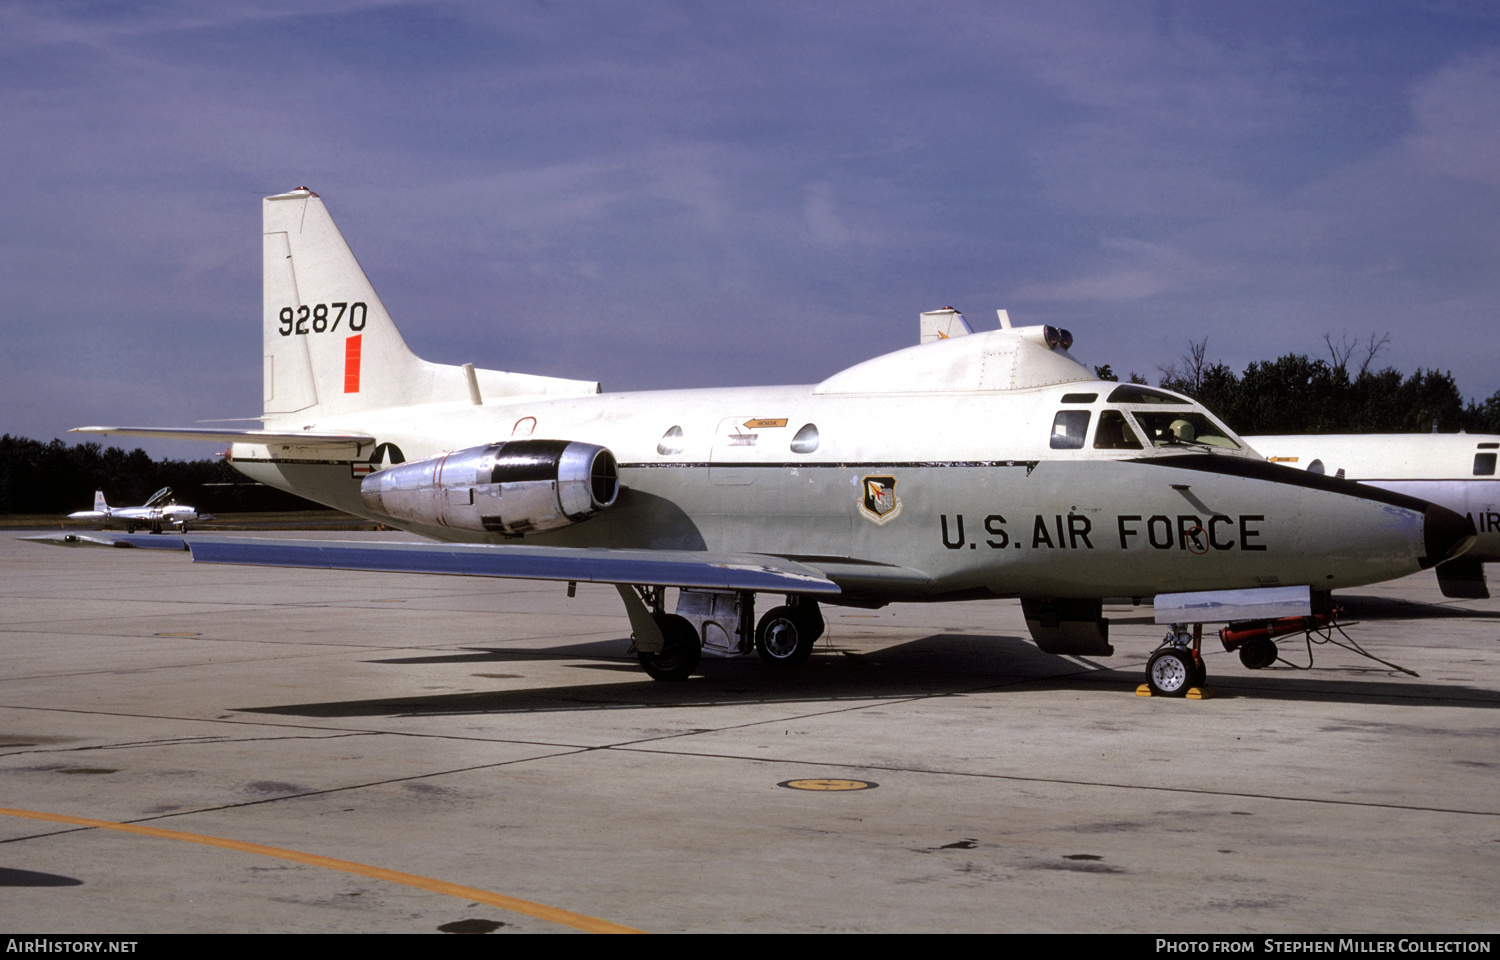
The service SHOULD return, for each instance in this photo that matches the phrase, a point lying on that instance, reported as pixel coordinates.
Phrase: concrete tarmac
(493, 735)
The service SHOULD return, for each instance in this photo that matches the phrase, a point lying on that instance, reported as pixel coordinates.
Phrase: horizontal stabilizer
(667, 568)
(310, 437)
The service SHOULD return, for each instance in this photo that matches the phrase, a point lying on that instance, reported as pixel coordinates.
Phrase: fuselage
(918, 496)
(164, 515)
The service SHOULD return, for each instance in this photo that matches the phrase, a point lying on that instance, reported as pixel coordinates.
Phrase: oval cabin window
(806, 440)
(671, 442)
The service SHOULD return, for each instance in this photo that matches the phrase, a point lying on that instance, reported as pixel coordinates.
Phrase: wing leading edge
(667, 568)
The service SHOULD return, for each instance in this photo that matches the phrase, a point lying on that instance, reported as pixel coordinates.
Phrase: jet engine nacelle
(512, 488)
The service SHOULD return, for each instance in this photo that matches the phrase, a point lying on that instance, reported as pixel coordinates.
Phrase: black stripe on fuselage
(824, 465)
(325, 463)
(1276, 473)
(760, 465)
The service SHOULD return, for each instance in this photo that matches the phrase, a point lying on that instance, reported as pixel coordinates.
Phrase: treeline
(1297, 394)
(54, 477)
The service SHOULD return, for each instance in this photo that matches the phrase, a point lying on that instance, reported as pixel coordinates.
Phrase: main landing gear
(680, 653)
(785, 635)
(670, 646)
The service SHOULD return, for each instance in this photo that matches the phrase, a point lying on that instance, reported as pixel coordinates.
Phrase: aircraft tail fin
(330, 347)
(99, 504)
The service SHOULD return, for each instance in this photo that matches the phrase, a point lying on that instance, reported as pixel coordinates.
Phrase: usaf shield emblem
(879, 501)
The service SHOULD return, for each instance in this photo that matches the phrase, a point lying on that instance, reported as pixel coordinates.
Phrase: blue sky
(689, 194)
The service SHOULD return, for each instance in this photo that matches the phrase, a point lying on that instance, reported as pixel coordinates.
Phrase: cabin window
(806, 440)
(1068, 429)
(1114, 433)
(671, 442)
(1484, 464)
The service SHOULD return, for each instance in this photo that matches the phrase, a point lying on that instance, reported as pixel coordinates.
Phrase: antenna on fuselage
(1004, 319)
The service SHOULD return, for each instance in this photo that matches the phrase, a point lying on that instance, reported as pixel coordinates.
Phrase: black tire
(1200, 671)
(1259, 653)
(679, 658)
(130, 528)
(1169, 672)
(785, 635)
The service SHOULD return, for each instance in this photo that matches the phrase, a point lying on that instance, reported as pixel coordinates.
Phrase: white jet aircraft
(979, 466)
(156, 513)
(1456, 470)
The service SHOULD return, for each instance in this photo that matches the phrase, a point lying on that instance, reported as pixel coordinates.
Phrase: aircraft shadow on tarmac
(938, 665)
(1392, 608)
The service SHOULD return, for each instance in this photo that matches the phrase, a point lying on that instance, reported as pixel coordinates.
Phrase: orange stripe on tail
(351, 364)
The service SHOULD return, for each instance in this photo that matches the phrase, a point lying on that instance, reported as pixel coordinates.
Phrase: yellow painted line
(515, 905)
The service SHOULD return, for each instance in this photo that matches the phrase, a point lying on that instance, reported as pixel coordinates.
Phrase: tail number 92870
(317, 319)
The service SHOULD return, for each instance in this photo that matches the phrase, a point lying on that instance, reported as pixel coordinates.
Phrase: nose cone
(1445, 534)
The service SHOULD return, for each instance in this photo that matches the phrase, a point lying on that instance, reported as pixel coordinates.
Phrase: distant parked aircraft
(158, 512)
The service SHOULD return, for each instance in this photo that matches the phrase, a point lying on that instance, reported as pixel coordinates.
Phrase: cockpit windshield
(1182, 428)
(1135, 393)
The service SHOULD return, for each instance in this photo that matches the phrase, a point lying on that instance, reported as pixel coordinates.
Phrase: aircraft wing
(320, 438)
(106, 539)
(666, 568)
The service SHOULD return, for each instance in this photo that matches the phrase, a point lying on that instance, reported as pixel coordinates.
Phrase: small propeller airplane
(986, 465)
(156, 514)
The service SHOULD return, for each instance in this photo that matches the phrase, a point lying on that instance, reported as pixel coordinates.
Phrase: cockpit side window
(1069, 428)
(1484, 464)
(1114, 433)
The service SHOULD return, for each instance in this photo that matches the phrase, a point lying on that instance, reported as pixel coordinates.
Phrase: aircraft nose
(1446, 534)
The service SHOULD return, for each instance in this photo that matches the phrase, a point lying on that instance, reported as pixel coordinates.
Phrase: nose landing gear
(1176, 667)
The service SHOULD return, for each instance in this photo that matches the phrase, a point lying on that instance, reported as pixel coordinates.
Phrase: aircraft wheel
(785, 635)
(1200, 672)
(1258, 654)
(679, 658)
(184, 528)
(1170, 672)
(130, 528)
